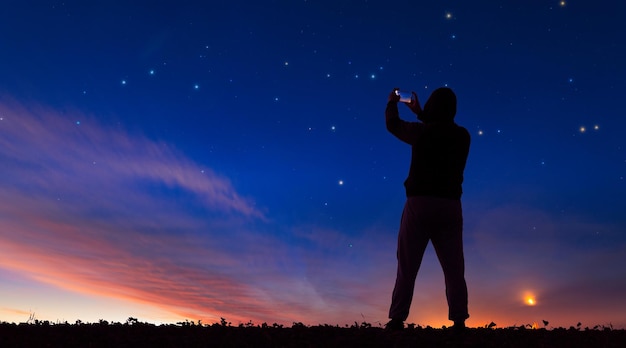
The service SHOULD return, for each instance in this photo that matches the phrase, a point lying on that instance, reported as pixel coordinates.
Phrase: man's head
(440, 106)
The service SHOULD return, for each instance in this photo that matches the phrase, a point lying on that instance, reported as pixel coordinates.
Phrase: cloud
(49, 154)
(95, 210)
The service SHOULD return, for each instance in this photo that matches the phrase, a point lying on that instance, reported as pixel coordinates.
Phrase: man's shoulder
(462, 130)
(462, 134)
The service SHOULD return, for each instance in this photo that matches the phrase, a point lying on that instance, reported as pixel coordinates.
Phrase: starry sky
(193, 160)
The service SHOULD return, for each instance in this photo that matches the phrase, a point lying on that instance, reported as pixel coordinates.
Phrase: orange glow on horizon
(530, 299)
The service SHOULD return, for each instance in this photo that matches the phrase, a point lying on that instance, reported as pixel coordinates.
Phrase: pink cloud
(88, 208)
(50, 155)
(83, 209)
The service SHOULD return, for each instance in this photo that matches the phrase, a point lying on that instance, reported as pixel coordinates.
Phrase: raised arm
(403, 130)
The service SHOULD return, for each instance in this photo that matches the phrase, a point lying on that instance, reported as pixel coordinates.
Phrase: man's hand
(414, 104)
(393, 96)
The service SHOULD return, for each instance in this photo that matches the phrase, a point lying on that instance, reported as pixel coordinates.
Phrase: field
(189, 334)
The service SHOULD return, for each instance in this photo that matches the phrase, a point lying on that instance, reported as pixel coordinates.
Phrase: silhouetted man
(432, 211)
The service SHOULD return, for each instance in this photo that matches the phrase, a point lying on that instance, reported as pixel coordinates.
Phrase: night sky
(193, 160)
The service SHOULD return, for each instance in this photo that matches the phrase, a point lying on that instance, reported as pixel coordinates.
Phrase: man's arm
(403, 130)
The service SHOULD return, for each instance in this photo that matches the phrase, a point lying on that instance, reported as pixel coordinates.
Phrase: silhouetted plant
(186, 323)
(31, 318)
(223, 322)
(247, 334)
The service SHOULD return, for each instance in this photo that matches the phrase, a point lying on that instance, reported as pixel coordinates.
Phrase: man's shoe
(459, 326)
(394, 325)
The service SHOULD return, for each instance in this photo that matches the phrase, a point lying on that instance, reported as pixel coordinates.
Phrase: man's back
(439, 147)
(439, 154)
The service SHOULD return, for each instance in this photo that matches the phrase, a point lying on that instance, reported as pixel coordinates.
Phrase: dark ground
(137, 334)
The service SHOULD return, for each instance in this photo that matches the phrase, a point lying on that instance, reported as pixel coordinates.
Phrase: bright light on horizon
(530, 299)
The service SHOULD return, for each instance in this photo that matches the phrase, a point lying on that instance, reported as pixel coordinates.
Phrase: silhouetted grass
(133, 333)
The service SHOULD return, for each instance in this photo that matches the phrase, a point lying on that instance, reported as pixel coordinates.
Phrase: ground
(189, 334)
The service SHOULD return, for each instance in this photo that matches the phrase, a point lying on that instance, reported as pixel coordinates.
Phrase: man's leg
(448, 244)
(412, 241)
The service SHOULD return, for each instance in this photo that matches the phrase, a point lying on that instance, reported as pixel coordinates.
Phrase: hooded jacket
(439, 147)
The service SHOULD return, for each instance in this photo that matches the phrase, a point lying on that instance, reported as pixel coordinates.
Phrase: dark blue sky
(241, 145)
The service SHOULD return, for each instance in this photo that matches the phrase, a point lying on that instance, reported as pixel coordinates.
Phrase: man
(432, 211)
